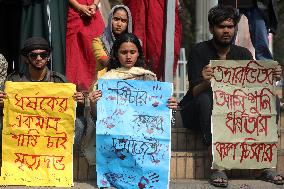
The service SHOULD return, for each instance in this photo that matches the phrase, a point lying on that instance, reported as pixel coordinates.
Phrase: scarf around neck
(128, 74)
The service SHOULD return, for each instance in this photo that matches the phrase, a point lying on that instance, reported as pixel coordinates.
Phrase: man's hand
(277, 73)
(207, 73)
(79, 97)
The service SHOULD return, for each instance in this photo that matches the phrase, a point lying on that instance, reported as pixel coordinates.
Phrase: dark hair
(219, 13)
(126, 37)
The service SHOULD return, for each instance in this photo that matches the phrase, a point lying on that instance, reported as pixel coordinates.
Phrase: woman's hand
(277, 73)
(79, 97)
(93, 8)
(94, 96)
(84, 10)
(172, 103)
(207, 73)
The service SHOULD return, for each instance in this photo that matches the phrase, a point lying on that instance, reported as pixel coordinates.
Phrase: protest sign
(244, 129)
(133, 134)
(38, 134)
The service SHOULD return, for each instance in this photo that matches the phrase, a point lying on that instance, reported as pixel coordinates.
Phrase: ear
(211, 29)
(236, 29)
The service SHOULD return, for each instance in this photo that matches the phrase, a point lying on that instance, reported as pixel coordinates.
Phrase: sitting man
(198, 103)
(36, 52)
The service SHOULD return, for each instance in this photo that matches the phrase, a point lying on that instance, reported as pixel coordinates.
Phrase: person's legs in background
(258, 33)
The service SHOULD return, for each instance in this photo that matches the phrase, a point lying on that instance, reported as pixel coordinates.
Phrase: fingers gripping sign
(207, 72)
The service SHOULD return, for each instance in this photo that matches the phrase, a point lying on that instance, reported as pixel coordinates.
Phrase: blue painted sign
(133, 134)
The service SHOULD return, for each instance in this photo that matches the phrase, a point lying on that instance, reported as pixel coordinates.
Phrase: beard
(223, 43)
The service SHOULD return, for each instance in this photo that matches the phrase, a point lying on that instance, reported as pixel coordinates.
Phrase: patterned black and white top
(3, 70)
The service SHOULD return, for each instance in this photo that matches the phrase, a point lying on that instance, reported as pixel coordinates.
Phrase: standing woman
(149, 25)
(119, 22)
(84, 22)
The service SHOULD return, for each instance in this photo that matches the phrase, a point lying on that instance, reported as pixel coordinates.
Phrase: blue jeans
(258, 33)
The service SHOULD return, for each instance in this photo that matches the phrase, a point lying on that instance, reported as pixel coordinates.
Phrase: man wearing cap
(37, 51)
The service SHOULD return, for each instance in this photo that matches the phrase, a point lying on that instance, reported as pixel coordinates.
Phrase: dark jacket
(268, 9)
(238, 3)
(16, 2)
(51, 76)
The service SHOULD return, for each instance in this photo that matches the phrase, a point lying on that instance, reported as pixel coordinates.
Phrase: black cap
(34, 43)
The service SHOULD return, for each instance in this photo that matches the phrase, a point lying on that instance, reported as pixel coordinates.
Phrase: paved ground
(180, 184)
(233, 184)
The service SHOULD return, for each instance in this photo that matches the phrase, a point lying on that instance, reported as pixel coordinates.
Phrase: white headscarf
(108, 37)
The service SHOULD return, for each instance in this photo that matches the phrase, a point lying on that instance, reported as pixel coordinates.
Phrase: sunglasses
(43, 55)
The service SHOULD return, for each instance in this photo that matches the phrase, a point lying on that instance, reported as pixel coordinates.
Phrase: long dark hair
(126, 37)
